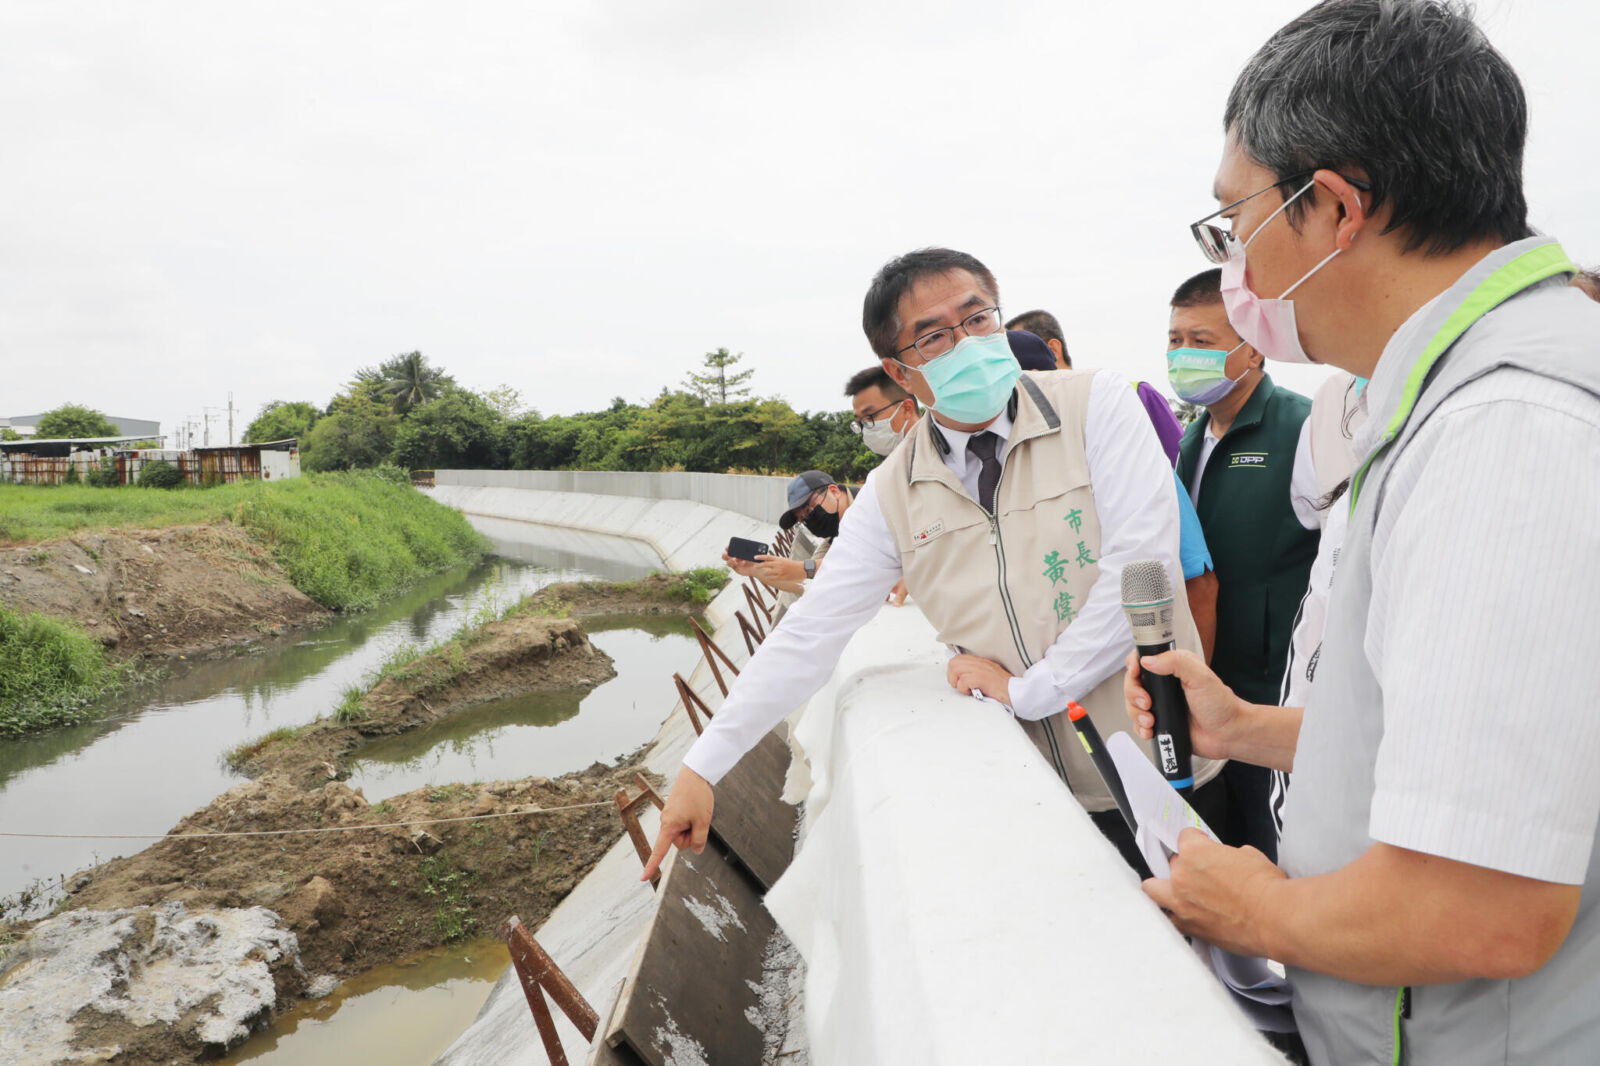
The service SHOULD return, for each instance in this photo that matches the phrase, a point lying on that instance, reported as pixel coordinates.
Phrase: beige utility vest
(1004, 587)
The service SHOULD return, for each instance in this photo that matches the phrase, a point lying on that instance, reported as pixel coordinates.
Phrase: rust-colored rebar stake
(758, 610)
(692, 703)
(752, 635)
(763, 592)
(628, 807)
(712, 652)
(539, 974)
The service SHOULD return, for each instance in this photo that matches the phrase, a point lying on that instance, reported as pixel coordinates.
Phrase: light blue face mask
(1200, 375)
(972, 382)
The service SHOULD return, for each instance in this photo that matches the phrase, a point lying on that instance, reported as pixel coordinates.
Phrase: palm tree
(408, 381)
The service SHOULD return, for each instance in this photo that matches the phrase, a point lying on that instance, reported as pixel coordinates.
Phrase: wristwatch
(810, 566)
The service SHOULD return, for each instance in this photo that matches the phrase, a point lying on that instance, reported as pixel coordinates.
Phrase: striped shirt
(1489, 662)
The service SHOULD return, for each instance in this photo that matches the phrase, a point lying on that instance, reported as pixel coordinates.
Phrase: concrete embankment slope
(953, 901)
(685, 518)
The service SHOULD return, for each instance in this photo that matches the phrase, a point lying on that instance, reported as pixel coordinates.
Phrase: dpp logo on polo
(1248, 459)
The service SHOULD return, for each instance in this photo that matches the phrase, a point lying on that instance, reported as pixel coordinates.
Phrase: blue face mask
(972, 382)
(1200, 375)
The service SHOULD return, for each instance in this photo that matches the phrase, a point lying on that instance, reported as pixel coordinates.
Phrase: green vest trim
(1529, 268)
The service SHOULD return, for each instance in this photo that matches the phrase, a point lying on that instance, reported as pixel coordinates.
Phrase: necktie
(983, 446)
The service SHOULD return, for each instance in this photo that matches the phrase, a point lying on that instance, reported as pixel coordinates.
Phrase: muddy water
(158, 754)
(402, 1014)
(548, 733)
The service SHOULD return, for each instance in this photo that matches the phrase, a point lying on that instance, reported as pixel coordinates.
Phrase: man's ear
(1055, 349)
(896, 372)
(1352, 212)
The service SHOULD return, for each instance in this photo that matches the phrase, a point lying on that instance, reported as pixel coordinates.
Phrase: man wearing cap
(1010, 511)
(817, 502)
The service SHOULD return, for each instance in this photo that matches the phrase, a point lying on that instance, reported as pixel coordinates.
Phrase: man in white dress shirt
(1009, 512)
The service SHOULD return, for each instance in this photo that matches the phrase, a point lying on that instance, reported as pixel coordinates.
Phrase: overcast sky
(581, 198)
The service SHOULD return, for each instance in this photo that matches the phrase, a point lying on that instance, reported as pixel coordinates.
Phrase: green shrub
(49, 671)
(700, 585)
(160, 474)
(104, 475)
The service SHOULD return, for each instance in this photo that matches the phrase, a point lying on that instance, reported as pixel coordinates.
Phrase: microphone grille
(1145, 581)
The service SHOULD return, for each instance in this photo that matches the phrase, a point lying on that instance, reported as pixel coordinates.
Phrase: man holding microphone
(1435, 902)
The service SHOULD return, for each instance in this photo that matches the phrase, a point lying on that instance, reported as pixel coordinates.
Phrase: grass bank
(347, 540)
(49, 671)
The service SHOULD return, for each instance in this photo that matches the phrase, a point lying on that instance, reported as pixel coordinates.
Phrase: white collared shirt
(1138, 511)
(966, 466)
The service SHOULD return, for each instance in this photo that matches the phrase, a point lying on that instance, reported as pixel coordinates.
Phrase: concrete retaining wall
(685, 532)
(953, 902)
(747, 494)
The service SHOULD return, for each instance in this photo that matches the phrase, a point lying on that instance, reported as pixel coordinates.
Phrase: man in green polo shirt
(1248, 470)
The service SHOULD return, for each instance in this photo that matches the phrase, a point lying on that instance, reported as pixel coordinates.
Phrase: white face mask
(881, 436)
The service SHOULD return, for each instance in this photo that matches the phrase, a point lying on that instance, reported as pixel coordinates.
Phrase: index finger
(663, 842)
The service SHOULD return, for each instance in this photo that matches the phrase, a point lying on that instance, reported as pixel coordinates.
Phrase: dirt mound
(357, 898)
(181, 590)
(505, 658)
(656, 594)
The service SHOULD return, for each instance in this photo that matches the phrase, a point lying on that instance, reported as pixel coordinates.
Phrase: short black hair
(880, 317)
(875, 377)
(1409, 94)
(1204, 288)
(1042, 324)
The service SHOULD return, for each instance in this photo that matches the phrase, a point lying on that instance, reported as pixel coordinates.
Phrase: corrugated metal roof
(276, 445)
(12, 445)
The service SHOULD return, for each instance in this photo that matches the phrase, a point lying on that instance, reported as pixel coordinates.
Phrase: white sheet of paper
(1161, 814)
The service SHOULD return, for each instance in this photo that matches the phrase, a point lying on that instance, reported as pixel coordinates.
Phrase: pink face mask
(1268, 326)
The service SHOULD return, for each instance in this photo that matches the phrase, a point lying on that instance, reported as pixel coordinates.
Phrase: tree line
(408, 412)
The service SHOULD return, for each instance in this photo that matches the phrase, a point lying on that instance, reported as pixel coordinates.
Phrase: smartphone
(740, 548)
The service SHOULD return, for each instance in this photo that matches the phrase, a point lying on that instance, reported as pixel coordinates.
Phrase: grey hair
(1409, 94)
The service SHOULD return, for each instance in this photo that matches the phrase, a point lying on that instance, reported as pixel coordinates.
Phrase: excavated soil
(184, 590)
(655, 594)
(361, 897)
(512, 657)
(372, 890)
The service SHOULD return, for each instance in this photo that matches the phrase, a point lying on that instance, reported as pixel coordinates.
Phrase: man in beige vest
(1010, 510)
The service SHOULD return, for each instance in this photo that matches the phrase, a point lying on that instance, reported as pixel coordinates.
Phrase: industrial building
(47, 462)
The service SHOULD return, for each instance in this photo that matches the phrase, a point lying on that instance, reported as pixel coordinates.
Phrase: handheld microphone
(1147, 601)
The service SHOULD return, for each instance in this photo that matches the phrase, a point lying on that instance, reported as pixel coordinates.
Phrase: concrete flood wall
(686, 518)
(953, 902)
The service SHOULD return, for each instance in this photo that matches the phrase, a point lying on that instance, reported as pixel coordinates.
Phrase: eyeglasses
(1215, 242)
(940, 341)
(859, 426)
(802, 513)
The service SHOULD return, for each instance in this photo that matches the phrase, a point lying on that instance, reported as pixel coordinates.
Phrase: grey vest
(1553, 1016)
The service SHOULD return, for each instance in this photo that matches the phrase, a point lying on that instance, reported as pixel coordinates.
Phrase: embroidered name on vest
(1257, 459)
(928, 532)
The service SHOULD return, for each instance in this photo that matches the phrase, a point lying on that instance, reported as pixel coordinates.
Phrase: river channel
(158, 753)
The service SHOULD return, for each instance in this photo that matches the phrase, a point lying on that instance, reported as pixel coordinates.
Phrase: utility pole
(210, 413)
(230, 419)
